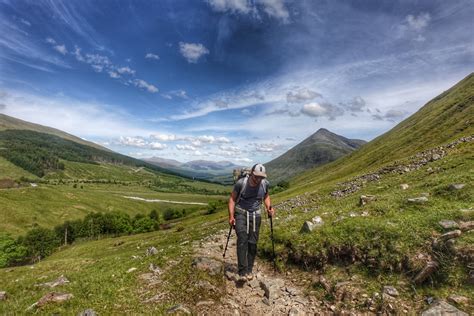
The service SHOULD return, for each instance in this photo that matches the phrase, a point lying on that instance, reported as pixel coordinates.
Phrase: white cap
(259, 170)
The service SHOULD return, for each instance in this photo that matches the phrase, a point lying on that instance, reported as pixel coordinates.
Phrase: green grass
(9, 170)
(97, 272)
(50, 205)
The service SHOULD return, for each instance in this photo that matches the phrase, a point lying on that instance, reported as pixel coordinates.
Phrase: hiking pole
(273, 242)
(227, 243)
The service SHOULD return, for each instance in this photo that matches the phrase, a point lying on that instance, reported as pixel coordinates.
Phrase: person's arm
(268, 205)
(231, 206)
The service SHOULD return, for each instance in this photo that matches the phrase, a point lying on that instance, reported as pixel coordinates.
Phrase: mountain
(163, 162)
(214, 171)
(318, 149)
(443, 119)
(12, 123)
(210, 165)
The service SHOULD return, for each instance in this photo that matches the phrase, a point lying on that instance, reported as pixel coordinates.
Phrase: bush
(212, 208)
(11, 252)
(40, 242)
(143, 225)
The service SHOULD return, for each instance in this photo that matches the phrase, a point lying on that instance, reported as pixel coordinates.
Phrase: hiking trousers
(247, 227)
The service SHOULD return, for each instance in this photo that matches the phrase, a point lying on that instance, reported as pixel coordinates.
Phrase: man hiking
(244, 213)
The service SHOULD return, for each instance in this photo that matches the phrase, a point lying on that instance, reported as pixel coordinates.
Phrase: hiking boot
(241, 278)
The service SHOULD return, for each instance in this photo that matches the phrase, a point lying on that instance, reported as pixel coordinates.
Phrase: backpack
(240, 173)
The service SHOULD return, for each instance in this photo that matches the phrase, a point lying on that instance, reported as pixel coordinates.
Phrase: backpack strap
(244, 186)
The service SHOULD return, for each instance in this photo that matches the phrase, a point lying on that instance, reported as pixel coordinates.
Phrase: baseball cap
(259, 170)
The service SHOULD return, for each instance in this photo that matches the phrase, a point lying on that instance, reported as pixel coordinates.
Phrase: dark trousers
(246, 243)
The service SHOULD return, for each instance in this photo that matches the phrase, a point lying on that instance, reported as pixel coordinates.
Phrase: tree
(11, 251)
(40, 243)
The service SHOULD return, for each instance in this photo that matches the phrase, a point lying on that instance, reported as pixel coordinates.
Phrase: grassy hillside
(11, 123)
(316, 150)
(445, 118)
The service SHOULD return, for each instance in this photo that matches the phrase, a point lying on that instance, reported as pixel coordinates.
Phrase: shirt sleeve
(238, 187)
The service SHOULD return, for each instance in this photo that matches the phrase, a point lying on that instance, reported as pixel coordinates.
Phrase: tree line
(40, 242)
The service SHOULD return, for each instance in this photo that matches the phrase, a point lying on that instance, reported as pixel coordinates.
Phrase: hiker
(244, 213)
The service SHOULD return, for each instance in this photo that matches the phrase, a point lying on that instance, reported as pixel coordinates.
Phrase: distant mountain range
(318, 149)
(217, 171)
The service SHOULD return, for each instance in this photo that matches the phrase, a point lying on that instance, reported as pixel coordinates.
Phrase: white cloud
(185, 147)
(238, 6)
(266, 147)
(50, 41)
(175, 93)
(152, 56)
(77, 54)
(27, 23)
(97, 68)
(276, 8)
(114, 75)
(314, 109)
(233, 149)
(144, 85)
(192, 51)
(301, 95)
(61, 48)
(133, 141)
(390, 115)
(356, 104)
(157, 146)
(419, 22)
(126, 70)
(164, 137)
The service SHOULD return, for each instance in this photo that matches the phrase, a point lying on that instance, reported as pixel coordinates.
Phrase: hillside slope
(443, 119)
(12, 123)
(316, 150)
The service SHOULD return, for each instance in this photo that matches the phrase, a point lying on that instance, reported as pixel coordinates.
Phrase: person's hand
(232, 221)
(271, 212)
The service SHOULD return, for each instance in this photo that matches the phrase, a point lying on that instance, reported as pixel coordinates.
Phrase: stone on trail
(390, 290)
(456, 186)
(404, 186)
(308, 227)
(151, 251)
(442, 308)
(458, 299)
(131, 270)
(418, 200)
(450, 235)
(59, 281)
(466, 226)
(178, 310)
(364, 199)
(211, 266)
(448, 224)
(3, 295)
(296, 312)
(431, 266)
(317, 220)
(51, 297)
(155, 269)
(88, 312)
(272, 288)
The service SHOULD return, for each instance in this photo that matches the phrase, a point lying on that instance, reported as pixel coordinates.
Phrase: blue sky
(230, 80)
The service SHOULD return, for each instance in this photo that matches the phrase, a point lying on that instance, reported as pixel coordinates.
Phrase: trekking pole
(227, 243)
(273, 242)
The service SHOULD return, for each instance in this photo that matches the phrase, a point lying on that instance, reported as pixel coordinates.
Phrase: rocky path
(269, 293)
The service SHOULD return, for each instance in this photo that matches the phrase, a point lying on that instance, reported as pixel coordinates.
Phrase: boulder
(418, 200)
(456, 186)
(3, 295)
(448, 224)
(272, 288)
(296, 312)
(390, 290)
(211, 266)
(442, 308)
(317, 220)
(308, 227)
(458, 299)
(178, 310)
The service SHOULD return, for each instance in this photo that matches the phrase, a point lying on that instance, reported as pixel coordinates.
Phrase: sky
(235, 80)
